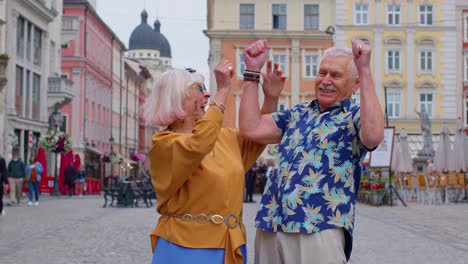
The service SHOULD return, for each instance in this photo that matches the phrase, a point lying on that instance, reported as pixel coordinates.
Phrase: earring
(196, 112)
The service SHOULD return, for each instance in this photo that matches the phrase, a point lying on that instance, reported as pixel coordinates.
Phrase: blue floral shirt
(317, 172)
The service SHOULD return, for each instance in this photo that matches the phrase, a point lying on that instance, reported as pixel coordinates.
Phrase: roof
(145, 37)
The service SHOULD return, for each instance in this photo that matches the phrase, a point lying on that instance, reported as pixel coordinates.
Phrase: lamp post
(111, 142)
(57, 116)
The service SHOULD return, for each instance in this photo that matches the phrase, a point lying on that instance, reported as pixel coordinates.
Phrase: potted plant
(56, 141)
(111, 157)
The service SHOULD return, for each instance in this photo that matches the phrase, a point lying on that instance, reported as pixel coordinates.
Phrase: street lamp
(111, 142)
(57, 116)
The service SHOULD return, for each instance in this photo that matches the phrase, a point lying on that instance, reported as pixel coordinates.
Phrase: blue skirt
(170, 253)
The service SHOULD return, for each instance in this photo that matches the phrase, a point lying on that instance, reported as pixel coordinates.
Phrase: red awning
(139, 156)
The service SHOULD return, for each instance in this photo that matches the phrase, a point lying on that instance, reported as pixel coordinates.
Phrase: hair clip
(190, 70)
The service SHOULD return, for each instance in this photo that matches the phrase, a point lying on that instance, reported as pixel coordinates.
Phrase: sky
(182, 23)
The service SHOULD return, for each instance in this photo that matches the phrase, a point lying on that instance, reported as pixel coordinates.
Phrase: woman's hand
(273, 80)
(223, 73)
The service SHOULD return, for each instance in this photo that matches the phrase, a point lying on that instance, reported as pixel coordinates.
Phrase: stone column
(378, 62)
(213, 60)
(410, 59)
(295, 72)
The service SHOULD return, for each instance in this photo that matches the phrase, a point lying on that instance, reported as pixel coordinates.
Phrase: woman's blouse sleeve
(250, 151)
(174, 157)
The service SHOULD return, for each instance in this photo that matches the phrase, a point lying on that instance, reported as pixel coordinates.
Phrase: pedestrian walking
(16, 177)
(3, 182)
(306, 214)
(197, 170)
(70, 178)
(33, 174)
(81, 180)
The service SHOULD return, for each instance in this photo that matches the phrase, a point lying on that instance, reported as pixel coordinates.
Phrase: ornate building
(30, 36)
(413, 56)
(151, 49)
(298, 32)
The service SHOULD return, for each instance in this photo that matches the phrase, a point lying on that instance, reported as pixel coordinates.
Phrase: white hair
(164, 105)
(347, 52)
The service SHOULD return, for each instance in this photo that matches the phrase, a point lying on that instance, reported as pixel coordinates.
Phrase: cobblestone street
(78, 230)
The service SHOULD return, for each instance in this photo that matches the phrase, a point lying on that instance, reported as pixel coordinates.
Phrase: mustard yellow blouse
(201, 173)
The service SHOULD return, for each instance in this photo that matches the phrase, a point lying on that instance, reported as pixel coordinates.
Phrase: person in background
(197, 168)
(70, 178)
(250, 178)
(307, 211)
(16, 175)
(33, 175)
(3, 182)
(81, 180)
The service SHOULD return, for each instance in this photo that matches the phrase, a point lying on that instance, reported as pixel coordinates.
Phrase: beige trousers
(324, 247)
(16, 189)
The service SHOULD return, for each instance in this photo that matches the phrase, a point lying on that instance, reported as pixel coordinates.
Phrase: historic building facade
(462, 59)
(151, 49)
(298, 32)
(92, 57)
(413, 56)
(30, 36)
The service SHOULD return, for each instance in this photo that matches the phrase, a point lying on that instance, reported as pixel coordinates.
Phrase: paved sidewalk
(78, 230)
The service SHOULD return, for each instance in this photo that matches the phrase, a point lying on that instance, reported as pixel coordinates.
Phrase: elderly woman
(197, 168)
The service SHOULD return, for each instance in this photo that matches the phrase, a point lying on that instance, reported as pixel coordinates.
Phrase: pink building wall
(89, 67)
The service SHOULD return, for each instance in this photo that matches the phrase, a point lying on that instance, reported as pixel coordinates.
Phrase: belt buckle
(227, 221)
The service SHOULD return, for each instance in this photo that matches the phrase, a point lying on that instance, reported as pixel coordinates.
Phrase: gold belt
(231, 220)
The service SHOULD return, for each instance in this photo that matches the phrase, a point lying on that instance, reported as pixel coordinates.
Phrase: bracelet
(254, 72)
(249, 76)
(221, 107)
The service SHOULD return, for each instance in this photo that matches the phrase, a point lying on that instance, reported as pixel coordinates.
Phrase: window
(20, 37)
(27, 112)
(361, 14)
(28, 41)
(279, 12)
(241, 65)
(426, 55)
(466, 112)
(19, 90)
(425, 15)
(282, 61)
(465, 71)
(426, 103)
(394, 104)
(311, 65)
(465, 24)
(36, 97)
(37, 46)
(393, 60)
(425, 61)
(311, 17)
(393, 14)
(246, 16)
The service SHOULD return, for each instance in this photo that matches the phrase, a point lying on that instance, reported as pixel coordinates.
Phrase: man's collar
(345, 104)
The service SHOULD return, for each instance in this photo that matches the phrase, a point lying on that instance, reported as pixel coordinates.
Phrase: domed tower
(148, 44)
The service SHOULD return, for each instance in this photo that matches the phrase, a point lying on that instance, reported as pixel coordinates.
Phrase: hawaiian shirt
(317, 172)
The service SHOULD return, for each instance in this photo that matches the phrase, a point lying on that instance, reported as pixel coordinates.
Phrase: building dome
(145, 37)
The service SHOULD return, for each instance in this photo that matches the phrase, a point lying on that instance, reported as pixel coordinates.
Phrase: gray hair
(347, 52)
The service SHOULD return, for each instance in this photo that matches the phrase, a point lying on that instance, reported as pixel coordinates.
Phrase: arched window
(393, 55)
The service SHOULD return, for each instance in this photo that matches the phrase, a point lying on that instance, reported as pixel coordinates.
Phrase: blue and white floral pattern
(318, 168)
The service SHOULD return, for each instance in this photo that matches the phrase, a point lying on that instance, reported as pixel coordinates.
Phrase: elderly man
(306, 213)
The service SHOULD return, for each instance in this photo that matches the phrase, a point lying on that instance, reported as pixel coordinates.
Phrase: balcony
(59, 93)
